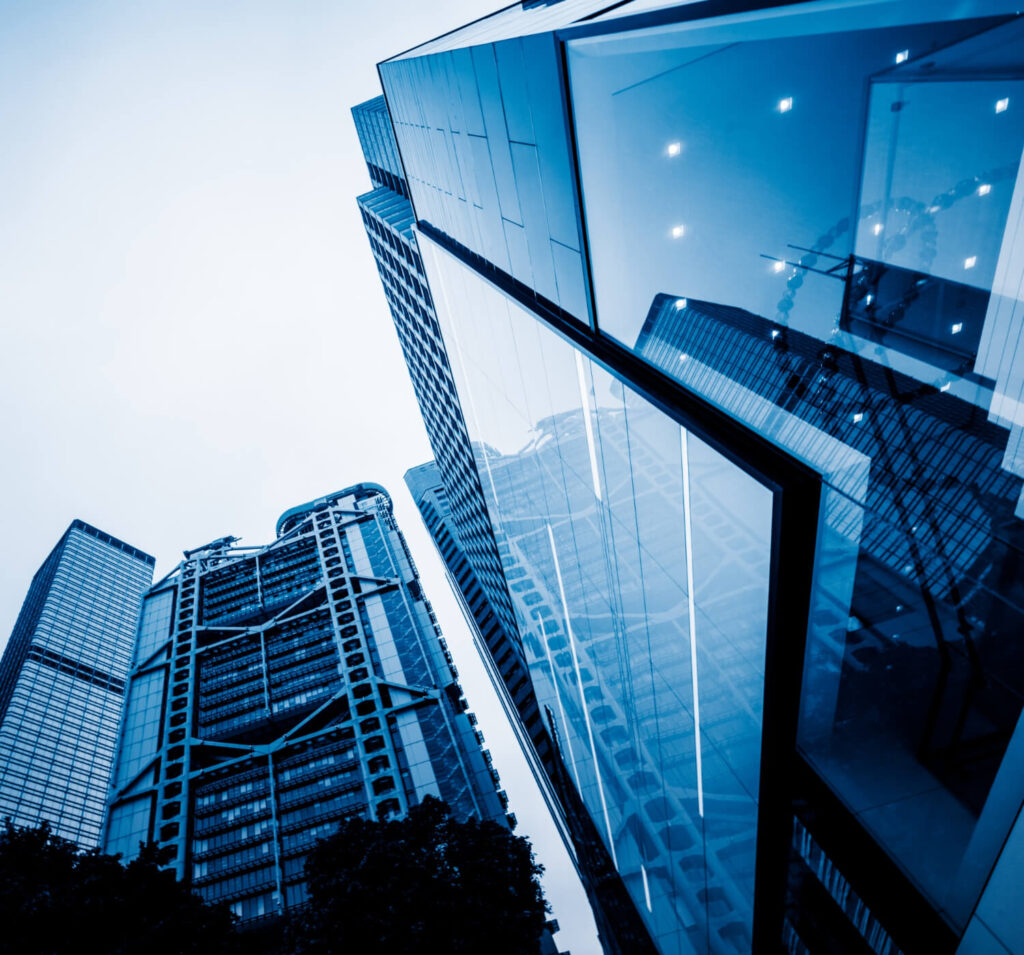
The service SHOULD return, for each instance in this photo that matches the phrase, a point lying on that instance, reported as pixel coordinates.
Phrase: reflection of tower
(620, 928)
(280, 689)
(935, 490)
(62, 681)
(629, 750)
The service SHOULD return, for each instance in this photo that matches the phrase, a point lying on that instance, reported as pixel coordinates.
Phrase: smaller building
(62, 682)
(278, 690)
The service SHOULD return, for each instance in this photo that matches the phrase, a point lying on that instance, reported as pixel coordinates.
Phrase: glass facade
(638, 559)
(280, 689)
(799, 243)
(62, 682)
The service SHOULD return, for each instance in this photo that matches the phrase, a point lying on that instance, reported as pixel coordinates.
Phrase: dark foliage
(56, 899)
(426, 883)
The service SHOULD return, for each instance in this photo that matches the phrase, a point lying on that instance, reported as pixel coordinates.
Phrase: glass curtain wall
(638, 560)
(817, 226)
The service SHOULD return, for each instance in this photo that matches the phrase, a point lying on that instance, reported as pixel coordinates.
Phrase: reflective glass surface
(739, 182)
(486, 151)
(819, 229)
(637, 558)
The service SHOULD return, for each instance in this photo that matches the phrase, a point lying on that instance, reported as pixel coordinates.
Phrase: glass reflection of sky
(770, 133)
(585, 488)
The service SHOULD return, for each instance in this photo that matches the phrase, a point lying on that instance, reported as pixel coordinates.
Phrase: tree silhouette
(424, 883)
(56, 898)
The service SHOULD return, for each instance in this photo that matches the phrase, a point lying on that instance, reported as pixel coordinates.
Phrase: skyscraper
(731, 294)
(277, 690)
(62, 682)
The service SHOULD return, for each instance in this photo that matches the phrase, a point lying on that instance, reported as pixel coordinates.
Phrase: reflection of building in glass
(745, 400)
(62, 681)
(618, 925)
(279, 689)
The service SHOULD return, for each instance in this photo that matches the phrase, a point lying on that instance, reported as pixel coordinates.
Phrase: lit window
(970, 261)
(1003, 105)
(903, 56)
(785, 105)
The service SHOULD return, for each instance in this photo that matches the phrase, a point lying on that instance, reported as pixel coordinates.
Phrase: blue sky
(193, 337)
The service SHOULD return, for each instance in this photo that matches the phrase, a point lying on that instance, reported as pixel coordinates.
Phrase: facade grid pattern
(62, 682)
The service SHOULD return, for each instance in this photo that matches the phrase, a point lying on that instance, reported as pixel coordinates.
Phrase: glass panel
(941, 161)
(879, 344)
(140, 736)
(154, 624)
(628, 545)
(129, 825)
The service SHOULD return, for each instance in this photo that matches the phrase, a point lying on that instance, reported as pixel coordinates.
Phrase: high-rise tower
(731, 293)
(277, 690)
(62, 682)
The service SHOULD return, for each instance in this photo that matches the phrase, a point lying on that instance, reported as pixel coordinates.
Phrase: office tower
(62, 682)
(277, 690)
(731, 295)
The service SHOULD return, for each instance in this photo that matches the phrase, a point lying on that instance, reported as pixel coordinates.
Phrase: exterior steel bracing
(291, 686)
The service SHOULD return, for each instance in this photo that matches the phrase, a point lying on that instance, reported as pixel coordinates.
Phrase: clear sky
(193, 337)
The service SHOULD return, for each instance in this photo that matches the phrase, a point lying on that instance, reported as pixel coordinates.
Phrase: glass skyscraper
(277, 690)
(451, 500)
(62, 682)
(731, 294)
